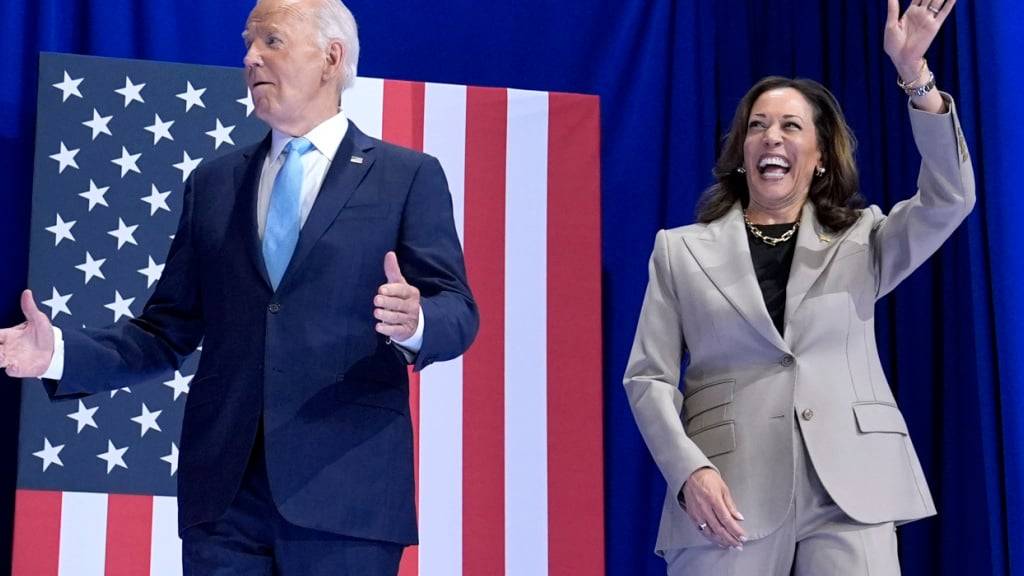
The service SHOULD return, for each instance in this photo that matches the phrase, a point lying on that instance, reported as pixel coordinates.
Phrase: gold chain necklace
(769, 240)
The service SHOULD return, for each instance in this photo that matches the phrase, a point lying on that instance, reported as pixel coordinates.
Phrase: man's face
(290, 75)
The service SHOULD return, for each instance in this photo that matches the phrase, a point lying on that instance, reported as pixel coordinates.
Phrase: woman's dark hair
(835, 195)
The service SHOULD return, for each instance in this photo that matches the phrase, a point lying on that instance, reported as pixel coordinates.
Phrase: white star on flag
(247, 102)
(61, 230)
(120, 306)
(124, 234)
(126, 389)
(69, 87)
(147, 420)
(84, 416)
(172, 458)
(221, 134)
(131, 92)
(152, 272)
(192, 97)
(49, 454)
(128, 162)
(58, 303)
(114, 457)
(187, 165)
(179, 384)
(92, 268)
(65, 158)
(99, 124)
(157, 200)
(160, 129)
(95, 195)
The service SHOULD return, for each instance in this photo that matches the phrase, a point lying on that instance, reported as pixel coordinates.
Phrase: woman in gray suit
(784, 450)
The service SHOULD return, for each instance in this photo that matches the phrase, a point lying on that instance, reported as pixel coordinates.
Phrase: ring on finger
(702, 526)
(933, 10)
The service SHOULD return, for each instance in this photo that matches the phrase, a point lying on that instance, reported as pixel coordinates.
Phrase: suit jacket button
(788, 360)
(807, 414)
(274, 308)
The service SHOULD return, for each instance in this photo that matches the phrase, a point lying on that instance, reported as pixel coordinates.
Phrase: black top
(772, 264)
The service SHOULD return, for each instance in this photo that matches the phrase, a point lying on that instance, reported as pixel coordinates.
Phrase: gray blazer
(745, 383)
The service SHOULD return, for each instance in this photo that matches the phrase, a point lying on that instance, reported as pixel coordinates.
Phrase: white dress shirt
(325, 137)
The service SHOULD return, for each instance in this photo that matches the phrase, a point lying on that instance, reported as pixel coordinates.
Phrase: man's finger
(397, 290)
(29, 308)
(391, 317)
(392, 303)
(391, 269)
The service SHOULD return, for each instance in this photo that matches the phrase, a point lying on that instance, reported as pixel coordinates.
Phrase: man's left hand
(397, 303)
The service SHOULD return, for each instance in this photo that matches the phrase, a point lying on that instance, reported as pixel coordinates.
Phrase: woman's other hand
(707, 500)
(908, 37)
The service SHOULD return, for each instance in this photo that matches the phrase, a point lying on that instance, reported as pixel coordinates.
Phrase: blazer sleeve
(652, 374)
(430, 255)
(916, 227)
(169, 328)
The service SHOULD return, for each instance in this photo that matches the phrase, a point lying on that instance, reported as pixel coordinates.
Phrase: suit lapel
(247, 179)
(815, 247)
(724, 255)
(342, 179)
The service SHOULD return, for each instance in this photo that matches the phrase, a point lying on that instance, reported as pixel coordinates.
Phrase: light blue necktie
(283, 219)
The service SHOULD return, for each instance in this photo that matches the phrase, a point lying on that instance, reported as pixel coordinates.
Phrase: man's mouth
(773, 167)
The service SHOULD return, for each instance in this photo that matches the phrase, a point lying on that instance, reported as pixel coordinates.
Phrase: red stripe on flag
(410, 565)
(129, 534)
(403, 125)
(403, 113)
(575, 443)
(483, 480)
(36, 533)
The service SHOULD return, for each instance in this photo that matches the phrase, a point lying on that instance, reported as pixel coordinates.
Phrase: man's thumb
(29, 308)
(391, 269)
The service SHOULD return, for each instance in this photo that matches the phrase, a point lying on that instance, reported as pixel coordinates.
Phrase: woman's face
(780, 151)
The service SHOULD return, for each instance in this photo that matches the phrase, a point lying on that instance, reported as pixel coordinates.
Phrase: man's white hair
(336, 23)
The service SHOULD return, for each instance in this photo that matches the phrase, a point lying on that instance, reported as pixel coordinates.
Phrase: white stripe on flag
(444, 136)
(526, 442)
(165, 559)
(364, 105)
(83, 534)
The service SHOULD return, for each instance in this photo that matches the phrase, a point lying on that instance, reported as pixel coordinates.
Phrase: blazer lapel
(815, 247)
(247, 179)
(342, 179)
(723, 253)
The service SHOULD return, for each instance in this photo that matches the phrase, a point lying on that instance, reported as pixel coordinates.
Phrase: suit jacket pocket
(708, 397)
(879, 417)
(717, 439)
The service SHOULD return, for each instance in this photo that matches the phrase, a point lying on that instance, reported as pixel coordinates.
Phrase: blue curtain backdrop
(669, 74)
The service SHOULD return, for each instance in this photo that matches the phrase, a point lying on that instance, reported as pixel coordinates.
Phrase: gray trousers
(815, 539)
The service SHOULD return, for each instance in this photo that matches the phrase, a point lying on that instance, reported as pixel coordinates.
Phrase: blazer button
(274, 308)
(807, 414)
(788, 360)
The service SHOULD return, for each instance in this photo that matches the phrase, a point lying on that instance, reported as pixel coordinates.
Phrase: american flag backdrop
(509, 436)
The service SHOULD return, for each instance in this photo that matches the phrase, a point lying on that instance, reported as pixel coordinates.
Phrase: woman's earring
(819, 171)
(741, 170)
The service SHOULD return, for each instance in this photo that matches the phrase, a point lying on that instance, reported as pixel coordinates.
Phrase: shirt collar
(326, 137)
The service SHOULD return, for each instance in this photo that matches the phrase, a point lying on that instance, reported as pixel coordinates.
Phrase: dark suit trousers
(252, 538)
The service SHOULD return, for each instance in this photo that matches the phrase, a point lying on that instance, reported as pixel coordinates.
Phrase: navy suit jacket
(332, 393)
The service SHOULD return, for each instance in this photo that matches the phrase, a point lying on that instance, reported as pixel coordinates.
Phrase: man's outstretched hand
(26, 349)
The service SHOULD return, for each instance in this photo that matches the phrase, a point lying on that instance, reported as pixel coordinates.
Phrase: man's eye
(271, 40)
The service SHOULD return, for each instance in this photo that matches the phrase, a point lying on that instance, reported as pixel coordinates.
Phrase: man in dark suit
(296, 448)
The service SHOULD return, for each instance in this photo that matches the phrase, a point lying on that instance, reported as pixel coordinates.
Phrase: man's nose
(252, 57)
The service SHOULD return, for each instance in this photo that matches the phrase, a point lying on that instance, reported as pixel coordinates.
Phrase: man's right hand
(26, 349)
(708, 502)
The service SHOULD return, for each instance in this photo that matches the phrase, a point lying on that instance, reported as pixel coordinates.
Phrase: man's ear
(333, 60)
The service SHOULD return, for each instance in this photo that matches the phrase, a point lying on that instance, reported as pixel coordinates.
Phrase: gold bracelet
(913, 85)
